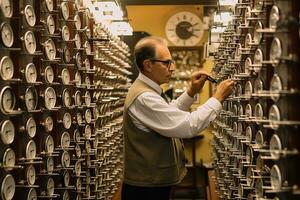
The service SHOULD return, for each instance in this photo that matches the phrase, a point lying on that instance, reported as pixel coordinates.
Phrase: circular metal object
(6, 68)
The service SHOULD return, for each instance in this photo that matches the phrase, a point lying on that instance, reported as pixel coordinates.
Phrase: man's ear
(147, 65)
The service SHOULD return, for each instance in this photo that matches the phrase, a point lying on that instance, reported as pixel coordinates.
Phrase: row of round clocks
(57, 93)
(255, 144)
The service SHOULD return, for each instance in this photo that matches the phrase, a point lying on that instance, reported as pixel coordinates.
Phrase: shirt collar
(149, 82)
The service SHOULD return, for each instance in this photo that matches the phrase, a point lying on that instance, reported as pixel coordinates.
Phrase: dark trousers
(130, 192)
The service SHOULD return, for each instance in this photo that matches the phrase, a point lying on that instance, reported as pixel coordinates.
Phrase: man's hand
(198, 80)
(224, 89)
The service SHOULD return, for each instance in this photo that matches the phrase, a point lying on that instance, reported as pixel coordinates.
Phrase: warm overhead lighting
(120, 28)
(228, 2)
(108, 10)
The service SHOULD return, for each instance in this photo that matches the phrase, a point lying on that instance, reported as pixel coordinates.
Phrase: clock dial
(87, 63)
(67, 120)
(50, 24)
(77, 40)
(88, 48)
(79, 118)
(88, 98)
(31, 127)
(184, 29)
(65, 76)
(48, 124)
(65, 159)
(77, 98)
(65, 140)
(49, 144)
(50, 98)
(8, 187)
(30, 150)
(32, 195)
(7, 132)
(66, 176)
(49, 74)
(50, 49)
(7, 99)
(67, 55)
(6, 68)
(9, 159)
(30, 73)
(65, 10)
(88, 116)
(78, 151)
(7, 34)
(30, 15)
(77, 78)
(67, 98)
(49, 5)
(31, 98)
(7, 8)
(50, 187)
(87, 132)
(78, 60)
(65, 33)
(30, 42)
(30, 174)
(50, 165)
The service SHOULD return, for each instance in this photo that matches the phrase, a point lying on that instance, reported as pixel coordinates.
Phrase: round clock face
(49, 5)
(49, 74)
(49, 144)
(9, 159)
(31, 98)
(7, 34)
(8, 187)
(6, 68)
(50, 49)
(31, 127)
(77, 40)
(30, 15)
(32, 195)
(50, 164)
(30, 150)
(7, 8)
(65, 159)
(65, 76)
(50, 187)
(30, 42)
(30, 174)
(7, 132)
(184, 29)
(30, 73)
(50, 98)
(65, 10)
(7, 99)
(65, 33)
(50, 24)
(48, 124)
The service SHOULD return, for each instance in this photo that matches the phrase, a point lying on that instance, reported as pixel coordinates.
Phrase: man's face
(162, 65)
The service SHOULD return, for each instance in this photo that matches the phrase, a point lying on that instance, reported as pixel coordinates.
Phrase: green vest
(150, 159)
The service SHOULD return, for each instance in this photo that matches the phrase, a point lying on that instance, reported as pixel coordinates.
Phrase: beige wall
(152, 19)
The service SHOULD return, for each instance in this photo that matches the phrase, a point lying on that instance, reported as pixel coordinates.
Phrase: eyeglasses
(167, 63)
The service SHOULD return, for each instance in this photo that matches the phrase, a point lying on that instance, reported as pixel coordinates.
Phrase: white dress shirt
(150, 111)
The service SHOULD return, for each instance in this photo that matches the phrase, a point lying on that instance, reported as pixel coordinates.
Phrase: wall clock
(184, 29)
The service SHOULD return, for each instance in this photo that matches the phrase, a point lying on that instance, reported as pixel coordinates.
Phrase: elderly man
(154, 158)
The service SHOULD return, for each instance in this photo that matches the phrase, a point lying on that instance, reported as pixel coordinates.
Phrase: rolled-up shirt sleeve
(150, 110)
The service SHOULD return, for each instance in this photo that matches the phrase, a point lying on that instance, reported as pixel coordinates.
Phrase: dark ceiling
(171, 2)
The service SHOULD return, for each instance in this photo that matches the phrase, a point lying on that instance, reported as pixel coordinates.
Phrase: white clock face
(184, 29)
